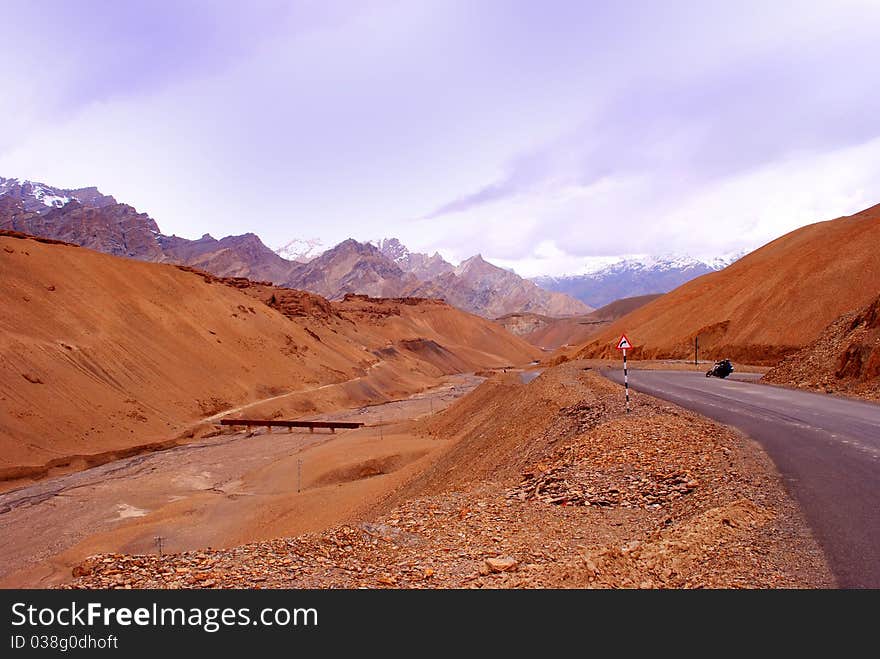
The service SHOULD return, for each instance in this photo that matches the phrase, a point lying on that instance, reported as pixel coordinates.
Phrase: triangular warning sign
(624, 343)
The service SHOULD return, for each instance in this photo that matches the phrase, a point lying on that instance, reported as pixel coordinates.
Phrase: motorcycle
(721, 369)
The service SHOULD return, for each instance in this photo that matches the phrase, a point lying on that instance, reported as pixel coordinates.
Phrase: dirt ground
(545, 484)
(216, 492)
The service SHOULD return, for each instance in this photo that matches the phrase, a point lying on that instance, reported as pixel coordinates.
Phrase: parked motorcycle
(721, 369)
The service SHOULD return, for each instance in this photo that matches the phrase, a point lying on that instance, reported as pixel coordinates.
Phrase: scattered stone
(502, 564)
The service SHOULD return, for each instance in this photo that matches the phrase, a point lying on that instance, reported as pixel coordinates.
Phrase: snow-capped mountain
(393, 249)
(301, 250)
(636, 275)
(476, 285)
(41, 198)
(90, 219)
(421, 265)
(663, 263)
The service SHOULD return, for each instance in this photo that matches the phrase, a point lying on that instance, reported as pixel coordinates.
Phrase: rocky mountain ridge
(630, 277)
(90, 219)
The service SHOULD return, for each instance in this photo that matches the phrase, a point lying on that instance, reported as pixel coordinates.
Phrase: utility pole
(696, 350)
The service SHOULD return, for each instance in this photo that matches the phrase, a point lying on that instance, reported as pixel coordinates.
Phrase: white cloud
(546, 139)
(631, 215)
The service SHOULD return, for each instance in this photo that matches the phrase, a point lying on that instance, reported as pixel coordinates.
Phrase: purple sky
(537, 133)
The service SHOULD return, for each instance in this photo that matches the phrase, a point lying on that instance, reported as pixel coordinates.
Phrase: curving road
(826, 448)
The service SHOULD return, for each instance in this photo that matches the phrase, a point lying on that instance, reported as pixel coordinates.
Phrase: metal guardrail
(311, 425)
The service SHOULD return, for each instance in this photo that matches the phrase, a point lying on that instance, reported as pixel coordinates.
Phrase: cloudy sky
(539, 134)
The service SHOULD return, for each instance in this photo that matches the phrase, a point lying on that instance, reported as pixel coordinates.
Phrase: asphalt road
(826, 448)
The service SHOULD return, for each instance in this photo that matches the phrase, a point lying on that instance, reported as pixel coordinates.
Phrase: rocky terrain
(765, 306)
(353, 267)
(424, 267)
(844, 359)
(89, 219)
(40, 198)
(471, 287)
(477, 285)
(572, 494)
(232, 256)
(111, 228)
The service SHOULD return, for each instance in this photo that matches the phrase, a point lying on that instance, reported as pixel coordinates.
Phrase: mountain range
(632, 277)
(388, 269)
(86, 217)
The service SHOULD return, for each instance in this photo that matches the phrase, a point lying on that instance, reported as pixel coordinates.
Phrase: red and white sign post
(625, 345)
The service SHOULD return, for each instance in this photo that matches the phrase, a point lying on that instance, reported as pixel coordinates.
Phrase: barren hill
(766, 305)
(551, 333)
(619, 308)
(232, 256)
(845, 358)
(102, 355)
(484, 288)
(352, 267)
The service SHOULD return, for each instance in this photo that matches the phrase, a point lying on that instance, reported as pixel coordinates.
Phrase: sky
(543, 135)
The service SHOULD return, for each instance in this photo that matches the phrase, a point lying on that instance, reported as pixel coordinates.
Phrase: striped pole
(625, 381)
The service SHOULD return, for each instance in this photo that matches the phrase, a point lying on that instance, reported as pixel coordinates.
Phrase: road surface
(826, 448)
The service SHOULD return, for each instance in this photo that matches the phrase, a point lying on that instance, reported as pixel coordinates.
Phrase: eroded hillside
(845, 358)
(102, 356)
(766, 305)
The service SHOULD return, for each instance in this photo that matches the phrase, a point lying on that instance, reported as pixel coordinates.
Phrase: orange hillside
(103, 355)
(764, 306)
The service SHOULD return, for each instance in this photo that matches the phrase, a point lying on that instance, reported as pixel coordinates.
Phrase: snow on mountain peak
(301, 250)
(47, 196)
(654, 262)
(393, 249)
(605, 279)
